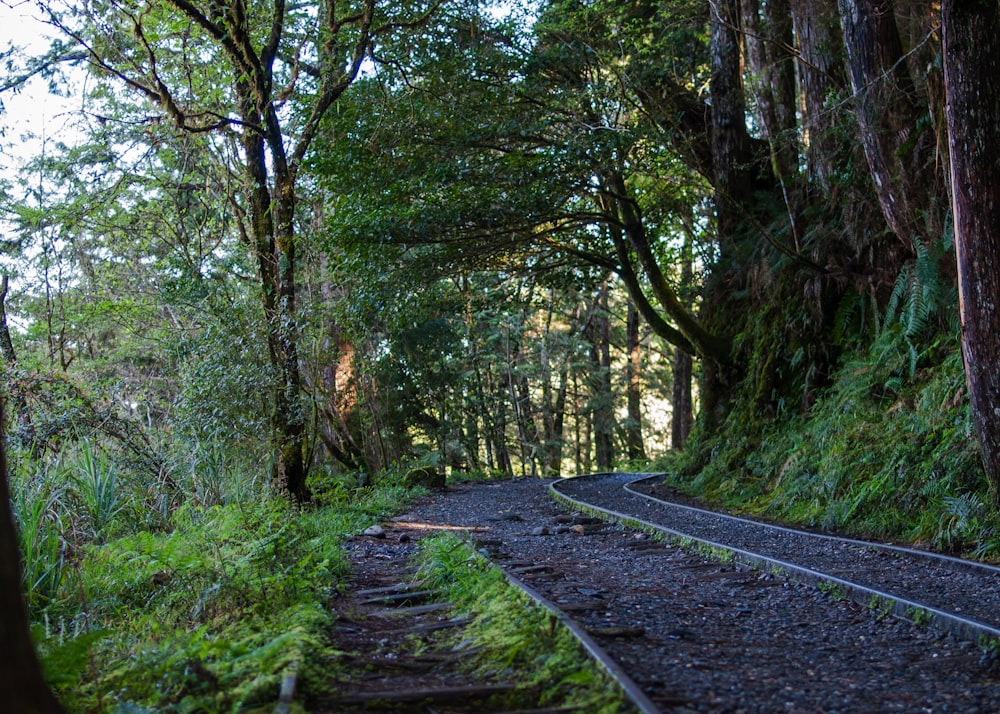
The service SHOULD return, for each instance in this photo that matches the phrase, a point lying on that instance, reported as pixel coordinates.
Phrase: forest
(289, 262)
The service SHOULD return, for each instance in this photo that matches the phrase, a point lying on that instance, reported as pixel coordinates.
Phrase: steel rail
(863, 594)
(912, 552)
(632, 690)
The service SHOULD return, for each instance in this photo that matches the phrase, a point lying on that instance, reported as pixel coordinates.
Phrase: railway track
(958, 596)
(729, 615)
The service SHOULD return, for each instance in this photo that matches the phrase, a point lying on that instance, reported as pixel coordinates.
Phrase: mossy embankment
(887, 451)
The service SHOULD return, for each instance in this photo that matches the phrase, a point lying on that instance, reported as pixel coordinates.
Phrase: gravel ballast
(708, 636)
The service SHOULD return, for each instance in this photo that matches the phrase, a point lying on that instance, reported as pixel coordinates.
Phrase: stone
(374, 532)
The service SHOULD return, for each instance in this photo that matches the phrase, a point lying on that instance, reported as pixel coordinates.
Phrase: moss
(515, 635)
(887, 451)
(208, 616)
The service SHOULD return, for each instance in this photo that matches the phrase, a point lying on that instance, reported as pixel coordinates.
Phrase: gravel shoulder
(706, 636)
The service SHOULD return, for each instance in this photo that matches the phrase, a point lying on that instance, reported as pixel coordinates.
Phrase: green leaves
(96, 482)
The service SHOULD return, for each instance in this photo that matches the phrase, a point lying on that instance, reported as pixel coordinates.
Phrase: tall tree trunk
(23, 688)
(681, 401)
(520, 394)
(682, 407)
(633, 374)
(273, 244)
(768, 38)
(602, 405)
(499, 436)
(821, 73)
(290, 409)
(555, 446)
(582, 429)
(770, 62)
(898, 146)
(495, 420)
(732, 154)
(971, 40)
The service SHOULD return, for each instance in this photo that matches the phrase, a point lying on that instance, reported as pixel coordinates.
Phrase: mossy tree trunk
(821, 74)
(898, 143)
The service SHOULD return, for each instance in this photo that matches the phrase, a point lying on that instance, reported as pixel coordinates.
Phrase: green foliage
(515, 633)
(225, 380)
(204, 615)
(38, 502)
(95, 481)
(888, 451)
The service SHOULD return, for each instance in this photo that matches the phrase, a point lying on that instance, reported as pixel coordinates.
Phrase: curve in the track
(761, 547)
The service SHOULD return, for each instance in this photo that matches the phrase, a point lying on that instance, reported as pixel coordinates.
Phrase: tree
(971, 41)
(262, 79)
(633, 373)
(22, 686)
(898, 143)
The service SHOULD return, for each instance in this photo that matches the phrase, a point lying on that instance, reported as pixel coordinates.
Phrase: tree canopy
(760, 182)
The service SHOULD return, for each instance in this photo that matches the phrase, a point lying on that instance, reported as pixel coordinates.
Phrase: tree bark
(681, 401)
(732, 152)
(897, 145)
(554, 380)
(769, 59)
(601, 404)
(821, 73)
(634, 446)
(24, 423)
(23, 688)
(971, 41)
(682, 406)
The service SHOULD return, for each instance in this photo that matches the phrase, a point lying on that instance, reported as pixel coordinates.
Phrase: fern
(849, 321)
(918, 293)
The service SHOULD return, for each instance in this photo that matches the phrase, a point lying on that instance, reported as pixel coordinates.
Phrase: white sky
(33, 113)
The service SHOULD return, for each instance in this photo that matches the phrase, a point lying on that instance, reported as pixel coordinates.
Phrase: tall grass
(38, 504)
(198, 605)
(95, 481)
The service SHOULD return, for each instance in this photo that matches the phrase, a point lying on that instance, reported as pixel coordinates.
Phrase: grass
(515, 636)
(888, 452)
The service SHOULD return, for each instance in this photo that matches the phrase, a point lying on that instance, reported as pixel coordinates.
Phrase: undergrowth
(198, 609)
(887, 451)
(516, 637)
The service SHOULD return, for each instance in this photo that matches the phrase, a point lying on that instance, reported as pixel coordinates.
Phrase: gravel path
(705, 636)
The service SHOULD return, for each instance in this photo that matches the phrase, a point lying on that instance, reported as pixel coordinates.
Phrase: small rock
(374, 532)
(540, 531)
(404, 538)
(511, 517)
